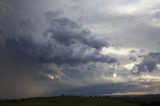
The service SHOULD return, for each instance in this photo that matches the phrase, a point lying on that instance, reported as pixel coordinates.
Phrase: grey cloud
(147, 65)
(31, 57)
(133, 58)
(149, 62)
(34, 48)
(104, 89)
(74, 37)
(67, 31)
(155, 54)
(19, 76)
(4, 8)
(64, 42)
(52, 14)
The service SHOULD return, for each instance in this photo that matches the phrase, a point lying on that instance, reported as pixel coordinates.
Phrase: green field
(81, 101)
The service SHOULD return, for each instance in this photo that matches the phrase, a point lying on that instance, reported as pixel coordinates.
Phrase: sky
(79, 47)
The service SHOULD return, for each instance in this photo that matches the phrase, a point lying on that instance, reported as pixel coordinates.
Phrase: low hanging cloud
(34, 59)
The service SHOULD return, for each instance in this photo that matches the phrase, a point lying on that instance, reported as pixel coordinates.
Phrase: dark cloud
(64, 42)
(133, 58)
(27, 59)
(67, 32)
(19, 76)
(4, 8)
(82, 45)
(104, 89)
(60, 50)
(155, 55)
(149, 63)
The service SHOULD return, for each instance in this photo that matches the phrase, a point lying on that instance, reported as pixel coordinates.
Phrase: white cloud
(117, 51)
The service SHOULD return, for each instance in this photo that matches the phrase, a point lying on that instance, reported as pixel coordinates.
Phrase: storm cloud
(29, 60)
(53, 47)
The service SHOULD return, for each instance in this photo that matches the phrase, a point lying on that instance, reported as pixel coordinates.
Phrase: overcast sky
(79, 47)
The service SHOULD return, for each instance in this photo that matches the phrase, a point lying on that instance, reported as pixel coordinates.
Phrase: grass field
(81, 101)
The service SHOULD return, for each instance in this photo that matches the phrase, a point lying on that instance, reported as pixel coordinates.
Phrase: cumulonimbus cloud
(27, 54)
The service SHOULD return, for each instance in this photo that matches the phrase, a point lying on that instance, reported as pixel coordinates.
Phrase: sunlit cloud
(131, 65)
(149, 78)
(51, 77)
(158, 66)
(117, 51)
(114, 75)
(129, 93)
